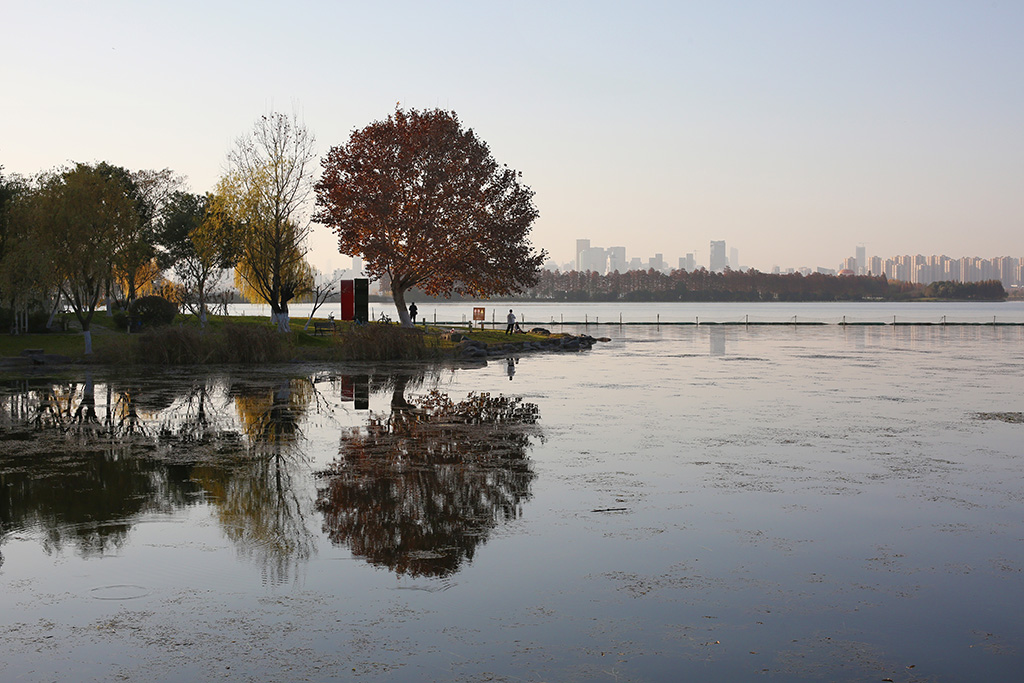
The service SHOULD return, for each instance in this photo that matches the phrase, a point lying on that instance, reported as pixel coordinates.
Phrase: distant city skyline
(906, 267)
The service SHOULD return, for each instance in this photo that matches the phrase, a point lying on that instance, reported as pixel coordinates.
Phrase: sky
(793, 130)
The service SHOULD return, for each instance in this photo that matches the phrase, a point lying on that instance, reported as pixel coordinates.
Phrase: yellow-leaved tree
(266, 192)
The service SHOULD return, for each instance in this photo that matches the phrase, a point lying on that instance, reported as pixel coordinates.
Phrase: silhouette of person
(511, 322)
(412, 312)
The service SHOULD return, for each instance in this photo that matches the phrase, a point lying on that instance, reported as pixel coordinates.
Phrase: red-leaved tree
(424, 204)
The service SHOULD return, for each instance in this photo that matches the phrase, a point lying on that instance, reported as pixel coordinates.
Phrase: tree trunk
(398, 294)
(282, 319)
(88, 342)
(53, 312)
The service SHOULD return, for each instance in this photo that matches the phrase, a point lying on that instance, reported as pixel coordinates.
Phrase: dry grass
(247, 341)
(188, 345)
(386, 342)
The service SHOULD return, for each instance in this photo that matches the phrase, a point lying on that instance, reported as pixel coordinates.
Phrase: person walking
(511, 322)
(413, 311)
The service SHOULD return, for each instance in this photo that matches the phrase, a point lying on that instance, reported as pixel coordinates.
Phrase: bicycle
(384, 318)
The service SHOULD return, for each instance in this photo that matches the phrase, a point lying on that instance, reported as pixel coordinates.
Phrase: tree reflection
(259, 503)
(420, 489)
(66, 472)
(75, 474)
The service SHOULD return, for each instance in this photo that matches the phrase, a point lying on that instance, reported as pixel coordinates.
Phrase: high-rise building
(581, 246)
(687, 263)
(875, 267)
(951, 270)
(861, 260)
(594, 259)
(734, 258)
(616, 259)
(717, 261)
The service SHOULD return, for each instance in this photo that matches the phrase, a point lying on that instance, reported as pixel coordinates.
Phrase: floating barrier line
(744, 323)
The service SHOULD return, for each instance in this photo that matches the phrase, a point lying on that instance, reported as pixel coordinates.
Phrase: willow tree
(424, 204)
(267, 190)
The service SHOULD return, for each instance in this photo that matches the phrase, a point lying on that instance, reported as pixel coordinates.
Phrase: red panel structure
(348, 300)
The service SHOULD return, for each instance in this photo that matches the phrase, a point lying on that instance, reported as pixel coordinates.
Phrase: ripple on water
(120, 591)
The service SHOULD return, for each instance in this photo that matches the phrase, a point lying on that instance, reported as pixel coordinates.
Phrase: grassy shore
(247, 340)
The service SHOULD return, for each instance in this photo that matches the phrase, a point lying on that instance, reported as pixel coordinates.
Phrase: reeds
(386, 342)
(187, 345)
(251, 344)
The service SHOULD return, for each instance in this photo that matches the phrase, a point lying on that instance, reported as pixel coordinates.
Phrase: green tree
(22, 273)
(198, 239)
(75, 218)
(425, 205)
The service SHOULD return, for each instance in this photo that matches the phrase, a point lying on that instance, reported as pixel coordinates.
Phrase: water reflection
(258, 501)
(717, 340)
(417, 490)
(81, 472)
(66, 471)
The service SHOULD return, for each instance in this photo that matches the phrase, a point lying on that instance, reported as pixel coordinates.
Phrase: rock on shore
(469, 348)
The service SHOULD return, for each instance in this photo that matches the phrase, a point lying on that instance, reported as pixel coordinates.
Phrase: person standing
(511, 322)
(413, 311)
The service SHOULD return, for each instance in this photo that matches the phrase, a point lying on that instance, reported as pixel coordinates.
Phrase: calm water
(610, 313)
(681, 503)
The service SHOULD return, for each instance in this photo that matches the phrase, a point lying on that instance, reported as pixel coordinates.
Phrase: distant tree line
(749, 285)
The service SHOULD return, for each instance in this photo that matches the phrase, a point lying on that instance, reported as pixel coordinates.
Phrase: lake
(680, 503)
(606, 314)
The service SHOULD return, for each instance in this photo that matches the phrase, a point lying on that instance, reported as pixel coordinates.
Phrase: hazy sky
(792, 130)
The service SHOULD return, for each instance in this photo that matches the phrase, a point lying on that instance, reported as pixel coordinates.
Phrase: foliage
(987, 290)
(424, 203)
(153, 311)
(27, 281)
(8, 191)
(265, 193)
(120, 320)
(750, 285)
(73, 217)
(703, 285)
(439, 475)
(200, 242)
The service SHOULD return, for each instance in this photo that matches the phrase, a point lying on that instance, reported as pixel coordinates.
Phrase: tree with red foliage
(424, 204)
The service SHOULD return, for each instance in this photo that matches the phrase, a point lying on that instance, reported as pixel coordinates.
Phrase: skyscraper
(581, 246)
(594, 259)
(616, 259)
(862, 263)
(718, 258)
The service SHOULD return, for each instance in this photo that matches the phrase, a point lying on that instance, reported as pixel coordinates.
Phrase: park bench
(322, 327)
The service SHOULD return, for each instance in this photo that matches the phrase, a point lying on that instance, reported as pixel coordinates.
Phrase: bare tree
(268, 187)
(319, 293)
